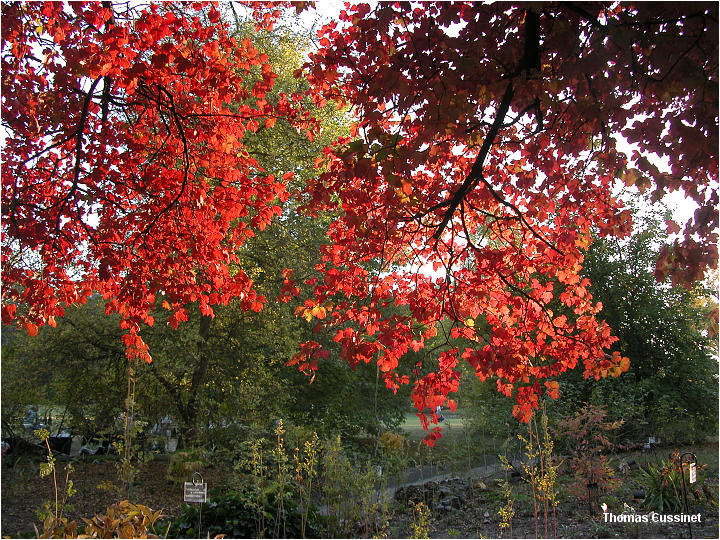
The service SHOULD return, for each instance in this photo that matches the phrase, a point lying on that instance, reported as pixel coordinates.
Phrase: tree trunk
(188, 433)
(188, 409)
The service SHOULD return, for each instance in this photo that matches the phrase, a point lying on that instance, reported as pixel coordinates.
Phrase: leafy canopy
(485, 148)
(125, 170)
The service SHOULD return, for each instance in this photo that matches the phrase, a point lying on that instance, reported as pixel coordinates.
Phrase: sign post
(196, 492)
(692, 469)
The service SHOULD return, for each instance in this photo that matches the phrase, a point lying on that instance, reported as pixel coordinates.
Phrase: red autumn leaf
(553, 388)
(8, 313)
(672, 227)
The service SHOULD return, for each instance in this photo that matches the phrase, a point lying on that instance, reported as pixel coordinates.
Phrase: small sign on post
(195, 493)
(693, 472)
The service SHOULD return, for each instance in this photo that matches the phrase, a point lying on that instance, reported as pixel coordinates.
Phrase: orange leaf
(31, 328)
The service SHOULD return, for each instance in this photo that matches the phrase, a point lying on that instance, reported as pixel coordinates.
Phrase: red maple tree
(124, 170)
(486, 148)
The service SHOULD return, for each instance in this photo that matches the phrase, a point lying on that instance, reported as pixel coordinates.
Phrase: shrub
(420, 526)
(183, 464)
(55, 525)
(587, 436)
(235, 514)
(507, 510)
(123, 520)
(349, 492)
(540, 470)
(393, 449)
(663, 487)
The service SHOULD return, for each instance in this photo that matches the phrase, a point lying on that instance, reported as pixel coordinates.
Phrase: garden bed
(24, 492)
(459, 507)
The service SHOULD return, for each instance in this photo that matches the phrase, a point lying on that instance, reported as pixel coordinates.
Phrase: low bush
(183, 464)
(663, 484)
(123, 520)
(587, 438)
(236, 514)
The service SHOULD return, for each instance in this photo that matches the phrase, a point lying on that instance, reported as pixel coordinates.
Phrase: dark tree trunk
(188, 409)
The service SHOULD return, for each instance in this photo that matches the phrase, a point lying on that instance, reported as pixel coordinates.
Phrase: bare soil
(24, 492)
(478, 518)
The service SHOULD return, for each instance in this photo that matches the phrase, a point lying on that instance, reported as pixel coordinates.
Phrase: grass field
(411, 425)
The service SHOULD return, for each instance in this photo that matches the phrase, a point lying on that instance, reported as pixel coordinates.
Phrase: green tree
(671, 389)
(76, 369)
(247, 380)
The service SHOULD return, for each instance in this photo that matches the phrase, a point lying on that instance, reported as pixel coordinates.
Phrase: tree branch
(529, 61)
(475, 174)
(171, 390)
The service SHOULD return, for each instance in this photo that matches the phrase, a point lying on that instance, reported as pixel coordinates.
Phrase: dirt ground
(24, 492)
(470, 525)
(572, 520)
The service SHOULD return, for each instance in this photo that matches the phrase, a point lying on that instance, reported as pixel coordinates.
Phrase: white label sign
(196, 493)
(693, 473)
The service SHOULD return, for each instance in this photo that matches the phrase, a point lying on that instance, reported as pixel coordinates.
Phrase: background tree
(668, 332)
(76, 370)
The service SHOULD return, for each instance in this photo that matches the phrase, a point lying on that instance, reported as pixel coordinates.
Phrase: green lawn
(411, 424)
